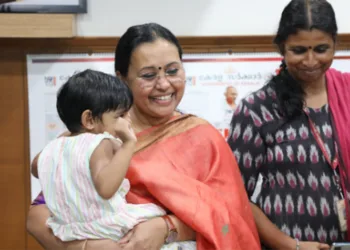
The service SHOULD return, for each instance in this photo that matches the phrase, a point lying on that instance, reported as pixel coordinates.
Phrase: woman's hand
(36, 226)
(148, 235)
(311, 245)
(100, 244)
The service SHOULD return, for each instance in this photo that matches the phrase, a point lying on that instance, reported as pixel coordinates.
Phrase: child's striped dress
(78, 212)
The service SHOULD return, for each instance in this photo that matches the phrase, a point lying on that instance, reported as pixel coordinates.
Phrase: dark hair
(137, 35)
(299, 15)
(91, 90)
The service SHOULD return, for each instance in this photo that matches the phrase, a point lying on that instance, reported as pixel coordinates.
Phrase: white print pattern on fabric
(298, 192)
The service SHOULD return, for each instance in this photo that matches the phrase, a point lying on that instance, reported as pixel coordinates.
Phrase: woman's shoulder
(337, 73)
(192, 121)
(196, 122)
(262, 99)
(261, 107)
(204, 130)
(338, 78)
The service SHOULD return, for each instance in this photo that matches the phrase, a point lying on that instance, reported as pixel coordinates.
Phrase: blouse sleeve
(247, 144)
(39, 200)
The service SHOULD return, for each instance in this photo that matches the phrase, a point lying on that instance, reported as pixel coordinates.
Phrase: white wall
(193, 17)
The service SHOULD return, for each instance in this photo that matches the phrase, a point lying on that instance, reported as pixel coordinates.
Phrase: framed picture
(44, 6)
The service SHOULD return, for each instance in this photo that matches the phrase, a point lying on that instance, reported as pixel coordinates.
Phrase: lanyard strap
(335, 163)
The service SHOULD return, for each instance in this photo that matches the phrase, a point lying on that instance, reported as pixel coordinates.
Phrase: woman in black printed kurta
(271, 135)
(298, 193)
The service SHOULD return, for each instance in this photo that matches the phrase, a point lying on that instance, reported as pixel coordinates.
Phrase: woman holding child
(180, 162)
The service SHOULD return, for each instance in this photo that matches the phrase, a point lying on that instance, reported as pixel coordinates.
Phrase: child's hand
(124, 130)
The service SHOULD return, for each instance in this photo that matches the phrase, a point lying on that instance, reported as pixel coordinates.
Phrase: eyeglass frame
(153, 81)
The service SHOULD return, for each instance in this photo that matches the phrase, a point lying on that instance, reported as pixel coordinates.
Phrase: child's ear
(87, 120)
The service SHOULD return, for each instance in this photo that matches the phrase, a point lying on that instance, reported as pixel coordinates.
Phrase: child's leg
(144, 211)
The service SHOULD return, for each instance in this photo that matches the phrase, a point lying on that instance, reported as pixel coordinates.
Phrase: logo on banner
(212, 80)
(191, 81)
(64, 78)
(50, 81)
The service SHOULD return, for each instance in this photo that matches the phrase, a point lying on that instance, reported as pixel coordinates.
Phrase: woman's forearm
(269, 234)
(184, 232)
(36, 226)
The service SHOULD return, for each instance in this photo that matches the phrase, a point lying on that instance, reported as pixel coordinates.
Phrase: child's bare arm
(34, 166)
(108, 168)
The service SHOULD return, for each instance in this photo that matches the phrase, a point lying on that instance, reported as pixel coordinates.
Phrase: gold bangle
(84, 245)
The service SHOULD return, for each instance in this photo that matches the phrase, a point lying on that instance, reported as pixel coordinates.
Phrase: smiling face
(156, 78)
(309, 54)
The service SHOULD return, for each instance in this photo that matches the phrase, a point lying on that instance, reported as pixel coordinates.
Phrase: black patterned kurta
(298, 193)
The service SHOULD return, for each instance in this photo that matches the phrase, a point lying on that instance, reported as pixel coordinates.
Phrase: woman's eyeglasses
(174, 75)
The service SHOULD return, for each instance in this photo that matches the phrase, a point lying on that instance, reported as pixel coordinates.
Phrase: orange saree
(186, 167)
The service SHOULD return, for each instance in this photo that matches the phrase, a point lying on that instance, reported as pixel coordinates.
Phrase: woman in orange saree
(203, 188)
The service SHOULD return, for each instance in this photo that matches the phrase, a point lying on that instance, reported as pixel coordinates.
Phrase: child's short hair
(92, 90)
